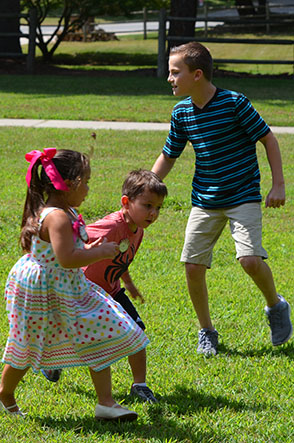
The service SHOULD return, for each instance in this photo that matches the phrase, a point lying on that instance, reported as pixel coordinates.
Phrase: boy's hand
(276, 197)
(134, 292)
(109, 249)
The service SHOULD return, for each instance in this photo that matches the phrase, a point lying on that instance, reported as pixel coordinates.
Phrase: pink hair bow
(48, 165)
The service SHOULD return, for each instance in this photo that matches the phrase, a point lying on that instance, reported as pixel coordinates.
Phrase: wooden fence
(31, 36)
(163, 39)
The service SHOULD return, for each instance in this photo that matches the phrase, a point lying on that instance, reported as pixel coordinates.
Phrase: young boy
(223, 128)
(143, 193)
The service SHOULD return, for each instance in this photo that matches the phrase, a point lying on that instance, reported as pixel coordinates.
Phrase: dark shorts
(126, 303)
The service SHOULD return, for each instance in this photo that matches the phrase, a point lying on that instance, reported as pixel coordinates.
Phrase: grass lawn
(127, 98)
(244, 394)
(116, 81)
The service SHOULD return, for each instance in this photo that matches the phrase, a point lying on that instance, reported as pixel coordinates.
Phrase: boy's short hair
(141, 180)
(196, 56)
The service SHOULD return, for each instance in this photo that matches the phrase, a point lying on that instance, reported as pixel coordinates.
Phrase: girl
(57, 317)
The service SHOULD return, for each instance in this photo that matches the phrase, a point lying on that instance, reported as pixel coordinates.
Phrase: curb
(96, 125)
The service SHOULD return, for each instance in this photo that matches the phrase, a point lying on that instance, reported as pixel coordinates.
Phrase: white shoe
(115, 413)
(8, 409)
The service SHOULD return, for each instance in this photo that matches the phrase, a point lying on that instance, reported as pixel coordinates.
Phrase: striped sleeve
(177, 137)
(249, 119)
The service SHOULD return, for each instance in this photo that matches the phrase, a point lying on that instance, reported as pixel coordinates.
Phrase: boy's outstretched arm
(130, 287)
(163, 165)
(276, 196)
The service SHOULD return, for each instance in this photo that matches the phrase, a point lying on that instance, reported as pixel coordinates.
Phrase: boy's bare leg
(138, 366)
(102, 384)
(262, 276)
(196, 281)
(139, 388)
(9, 381)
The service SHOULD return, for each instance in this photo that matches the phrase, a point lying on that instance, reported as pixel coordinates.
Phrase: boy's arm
(163, 165)
(130, 287)
(276, 196)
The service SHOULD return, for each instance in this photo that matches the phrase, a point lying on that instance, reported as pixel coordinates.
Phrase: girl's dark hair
(140, 180)
(196, 56)
(71, 165)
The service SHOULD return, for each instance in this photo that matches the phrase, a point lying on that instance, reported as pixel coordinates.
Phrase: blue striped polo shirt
(224, 135)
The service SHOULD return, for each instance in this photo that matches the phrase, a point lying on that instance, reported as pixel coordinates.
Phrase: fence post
(145, 22)
(32, 41)
(161, 58)
(267, 17)
(205, 19)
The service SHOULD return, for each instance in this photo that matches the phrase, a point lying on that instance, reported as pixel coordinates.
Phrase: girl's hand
(109, 249)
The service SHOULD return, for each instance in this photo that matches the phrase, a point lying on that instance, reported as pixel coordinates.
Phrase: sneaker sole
(286, 339)
(207, 354)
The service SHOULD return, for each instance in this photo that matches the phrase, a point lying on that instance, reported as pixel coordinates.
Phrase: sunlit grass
(245, 394)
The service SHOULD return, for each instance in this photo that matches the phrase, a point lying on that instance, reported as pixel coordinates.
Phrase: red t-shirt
(107, 273)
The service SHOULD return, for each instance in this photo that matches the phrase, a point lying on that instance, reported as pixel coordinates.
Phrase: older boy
(223, 128)
(143, 193)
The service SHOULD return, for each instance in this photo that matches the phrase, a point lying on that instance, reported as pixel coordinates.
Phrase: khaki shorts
(206, 225)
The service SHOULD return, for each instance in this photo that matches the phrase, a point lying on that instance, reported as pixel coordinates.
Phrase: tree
(246, 8)
(182, 28)
(72, 14)
(10, 44)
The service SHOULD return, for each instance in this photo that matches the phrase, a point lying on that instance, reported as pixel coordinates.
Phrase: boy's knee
(250, 264)
(193, 270)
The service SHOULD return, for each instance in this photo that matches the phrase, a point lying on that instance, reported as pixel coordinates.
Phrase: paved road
(96, 125)
(276, 6)
(132, 27)
(119, 28)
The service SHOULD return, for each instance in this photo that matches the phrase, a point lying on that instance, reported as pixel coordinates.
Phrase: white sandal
(7, 409)
(114, 413)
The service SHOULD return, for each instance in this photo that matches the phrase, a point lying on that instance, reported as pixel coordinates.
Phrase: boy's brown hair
(196, 56)
(140, 180)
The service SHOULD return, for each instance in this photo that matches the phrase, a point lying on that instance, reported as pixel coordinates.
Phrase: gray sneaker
(52, 374)
(208, 342)
(279, 321)
(143, 393)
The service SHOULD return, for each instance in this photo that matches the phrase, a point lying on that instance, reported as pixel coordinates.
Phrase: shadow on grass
(286, 350)
(106, 58)
(174, 418)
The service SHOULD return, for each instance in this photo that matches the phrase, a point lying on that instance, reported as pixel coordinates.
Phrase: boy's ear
(198, 74)
(125, 201)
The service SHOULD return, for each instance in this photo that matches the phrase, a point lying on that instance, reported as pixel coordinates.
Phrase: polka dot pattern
(58, 318)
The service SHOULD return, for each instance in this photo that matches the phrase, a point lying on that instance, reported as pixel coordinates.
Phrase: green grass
(117, 81)
(245, 394)
(127, 98)
(133, 51)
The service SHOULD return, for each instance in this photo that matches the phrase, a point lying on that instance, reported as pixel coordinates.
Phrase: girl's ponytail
(31, 212)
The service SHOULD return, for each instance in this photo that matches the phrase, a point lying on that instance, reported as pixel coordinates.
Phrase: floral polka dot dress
(59, 319)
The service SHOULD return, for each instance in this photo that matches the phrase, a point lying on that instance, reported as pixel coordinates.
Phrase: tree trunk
(245, 8)
(261, 9)
(9, 25)
(183, 28)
